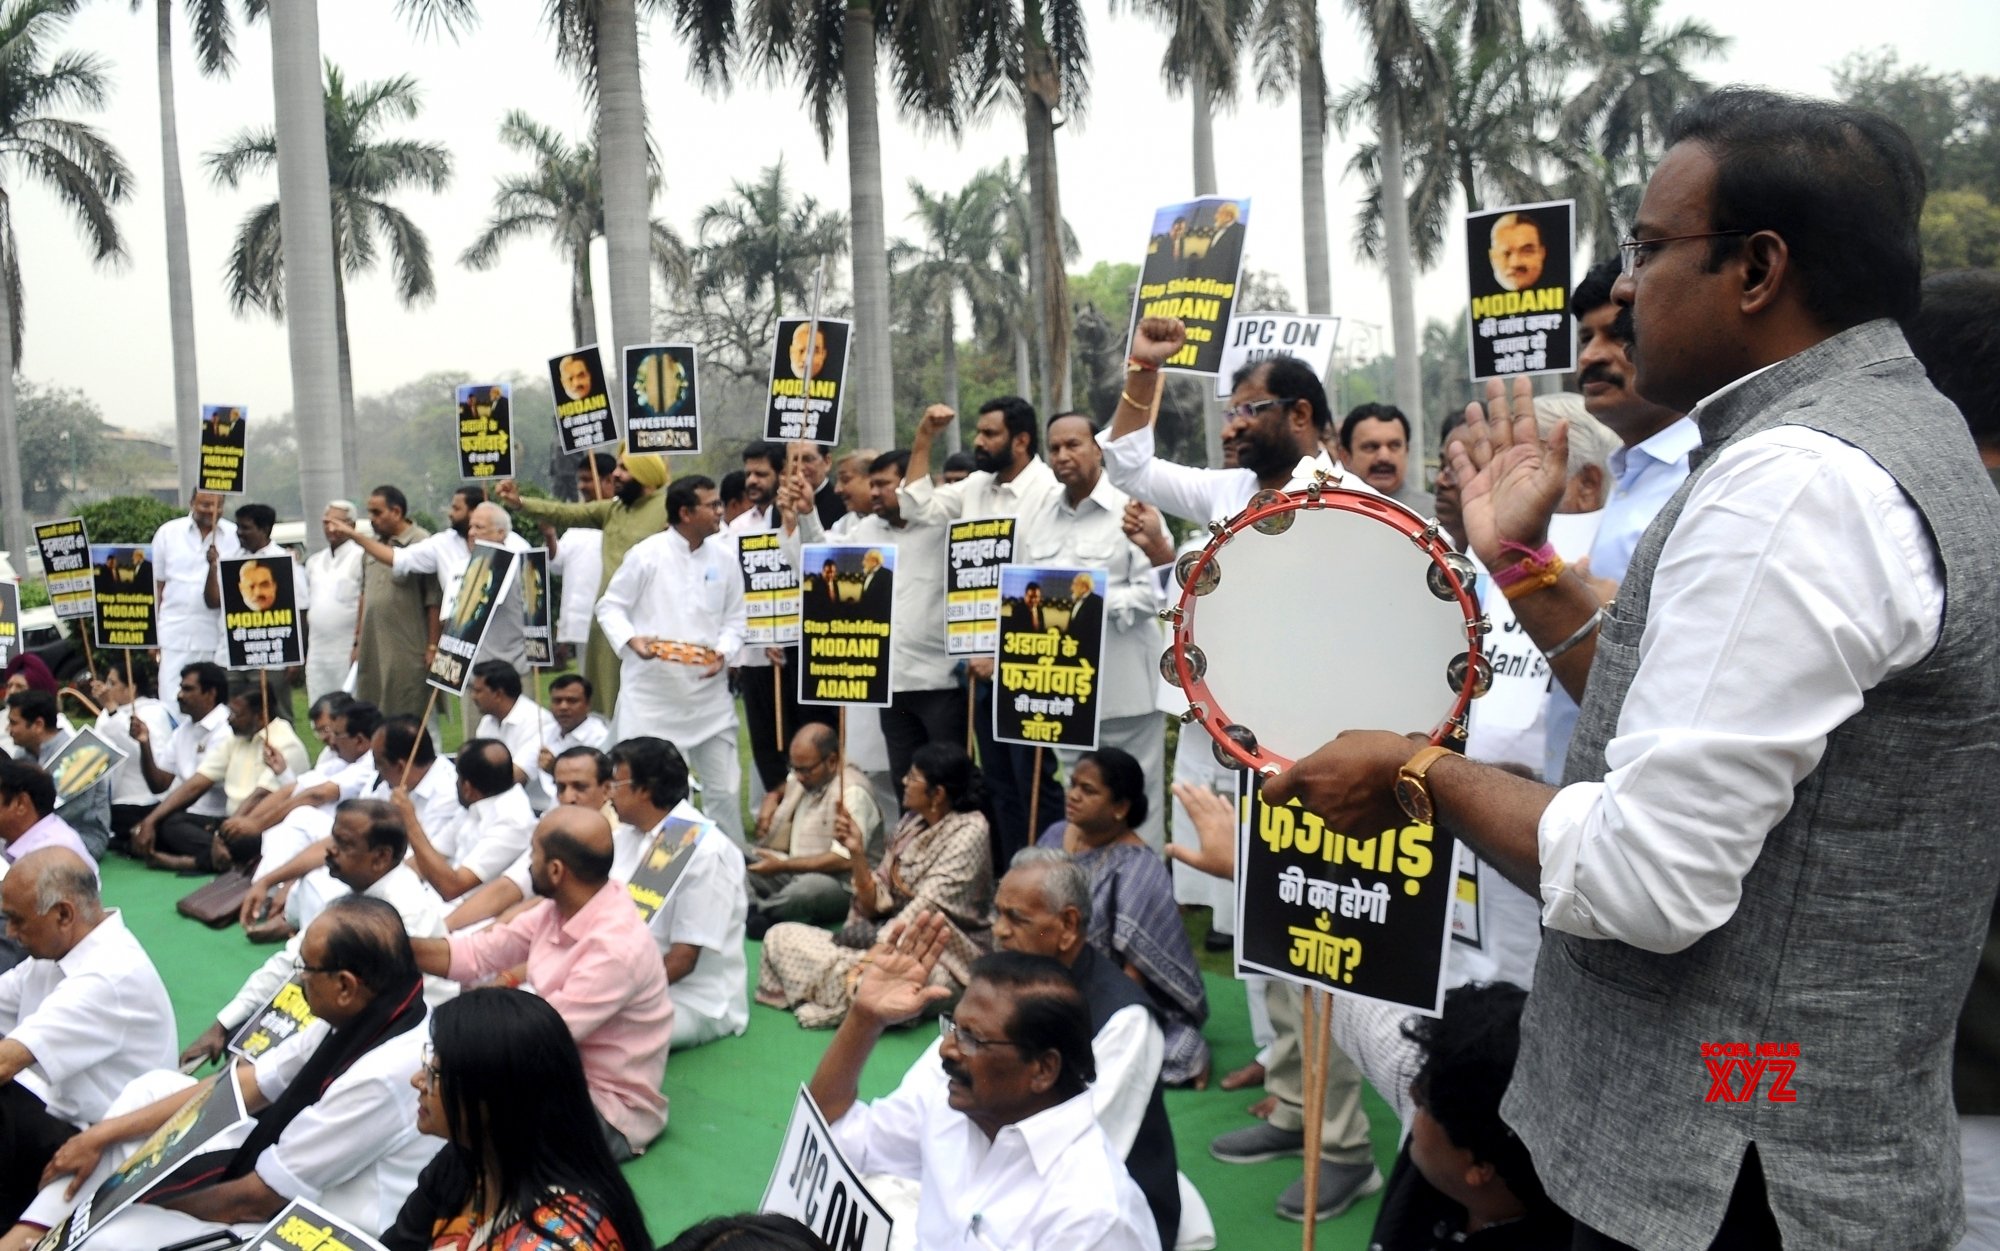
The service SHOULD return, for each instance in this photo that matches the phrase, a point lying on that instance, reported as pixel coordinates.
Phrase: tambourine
(1322, 610)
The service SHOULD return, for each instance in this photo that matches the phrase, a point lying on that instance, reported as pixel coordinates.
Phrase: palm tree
(364, 169)
(1205, 40)
(68, 157)
(833, 45)
(955, 258)
(1038, 55)
(762, 239)
(1286, 44)
(562, 197)
(1640, 78)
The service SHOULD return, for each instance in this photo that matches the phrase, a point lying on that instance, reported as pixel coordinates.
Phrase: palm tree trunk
(950, 376)
(180, 282)
(305, 215)
(869, 367)
(1409, 389)
(1024, 368)
(1049, 282)
(1204, 132)
(13, 506)
(1312, 173)
(621, 144)
(582, 300)
(350, 450)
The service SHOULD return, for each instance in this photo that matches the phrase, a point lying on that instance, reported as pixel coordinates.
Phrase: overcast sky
(105, 331)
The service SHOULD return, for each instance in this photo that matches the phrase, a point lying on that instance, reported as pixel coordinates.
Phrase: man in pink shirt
(28, 819)
(589, 954)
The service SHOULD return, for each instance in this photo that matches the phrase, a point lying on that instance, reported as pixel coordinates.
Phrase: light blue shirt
(1647, 474)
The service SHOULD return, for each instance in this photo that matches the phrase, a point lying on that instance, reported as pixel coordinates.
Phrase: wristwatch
(1412, 792)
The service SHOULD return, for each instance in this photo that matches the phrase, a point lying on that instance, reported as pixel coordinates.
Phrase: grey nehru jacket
(1860, 921)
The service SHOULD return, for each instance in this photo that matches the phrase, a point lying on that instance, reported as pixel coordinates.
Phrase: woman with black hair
(521, 1173)
(1133, 917)
(939, 859)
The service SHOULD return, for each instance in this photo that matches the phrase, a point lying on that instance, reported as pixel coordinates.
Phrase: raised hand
(895, 978)
(1146, 529)
(1214, 820)
(935, 419)
(1510, 478)
(1157, 339)
(508, 492)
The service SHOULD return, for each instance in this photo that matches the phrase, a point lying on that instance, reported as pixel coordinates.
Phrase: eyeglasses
(430, 1072)
(1632, 252)
(1244, 412)
(969, 1043)
(299, 966)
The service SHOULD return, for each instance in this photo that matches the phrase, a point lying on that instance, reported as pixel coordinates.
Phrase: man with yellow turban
(635, 511)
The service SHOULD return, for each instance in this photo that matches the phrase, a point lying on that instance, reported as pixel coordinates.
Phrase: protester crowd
(1758, 821)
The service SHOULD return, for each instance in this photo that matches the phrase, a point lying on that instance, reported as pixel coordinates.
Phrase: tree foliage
(62, 442)
(126, 518)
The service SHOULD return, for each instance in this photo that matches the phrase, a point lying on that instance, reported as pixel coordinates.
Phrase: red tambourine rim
(1424, 535)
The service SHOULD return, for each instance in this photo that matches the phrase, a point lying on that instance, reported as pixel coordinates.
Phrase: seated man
(366, 856)
(801, 872)
(83, 1015)
(492, 827)
(582, 780)
(336, 1113)
(1015, 1070)
(167, 760)
(505, 713)
(587, 952)
(576, 724)
(235, 762)
(28, 819)
(36, 728)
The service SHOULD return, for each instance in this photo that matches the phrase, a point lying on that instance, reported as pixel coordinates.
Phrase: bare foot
(1263, 1108)
(1251, 1074)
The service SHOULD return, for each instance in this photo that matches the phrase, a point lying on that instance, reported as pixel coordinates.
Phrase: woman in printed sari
(939, 859)
(1133, 917)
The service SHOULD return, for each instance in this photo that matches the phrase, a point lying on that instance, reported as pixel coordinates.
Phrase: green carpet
(730, 1100)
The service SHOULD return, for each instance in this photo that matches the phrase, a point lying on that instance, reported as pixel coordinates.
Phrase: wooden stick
(83, 630)
(970, 684)
(596, 483)
(80, 698)
(423, 728)
(1315, 1039)
(1035, 800)
(263, 693)
(840, 758)
(778, 700)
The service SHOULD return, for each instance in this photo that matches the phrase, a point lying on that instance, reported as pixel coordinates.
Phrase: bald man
(84, 1014)
(589, 954)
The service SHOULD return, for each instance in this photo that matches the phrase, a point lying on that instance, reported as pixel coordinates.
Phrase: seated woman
(940, 858)
(519, 1174)
(1133, 917)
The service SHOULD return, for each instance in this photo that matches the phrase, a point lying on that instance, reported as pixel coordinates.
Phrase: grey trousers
(815, 898)
(1343, 1125)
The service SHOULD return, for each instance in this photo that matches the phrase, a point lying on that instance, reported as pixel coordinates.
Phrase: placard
(813, 1183)
(302, 1226)
(1468, 910)
(1051, 655)
(1518, 263)
(485, 431)
(770, 591)
(83, 762)
(847, 600)
(10, 621)
(65, 548)
(1363, 915)
(287, 1014)
(1257, 337)
(977, 549)
(660, 869)
(536, 618)
(127, 615)
(225, 430)
(792, 413)
(260, 612)
(663, 412)
(1190, 272)
(583, 405)
(484, 584)
(211, 1113)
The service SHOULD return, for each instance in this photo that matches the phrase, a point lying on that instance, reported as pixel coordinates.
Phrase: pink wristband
(1532, 564)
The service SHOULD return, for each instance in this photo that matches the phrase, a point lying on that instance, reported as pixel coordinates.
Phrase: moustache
(1600, 373)
(956, 1073)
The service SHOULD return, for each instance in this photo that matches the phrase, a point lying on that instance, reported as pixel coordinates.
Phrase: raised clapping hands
(1510, 479)
(895, 978)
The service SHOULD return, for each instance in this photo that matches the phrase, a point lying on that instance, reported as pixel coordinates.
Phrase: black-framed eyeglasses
(430, 1071)
(969, 1043)
(299, 966)
(1244, 412)
(1632, 252)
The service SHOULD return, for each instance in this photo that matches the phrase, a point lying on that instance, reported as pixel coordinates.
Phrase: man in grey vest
(1766, 885)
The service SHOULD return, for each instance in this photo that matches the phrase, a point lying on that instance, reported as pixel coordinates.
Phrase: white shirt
(1052, 1180)
(579, 562)
(356, 1151)
(666, 590)
(707, 910)
(592, 731)
(180, 572)
(128, 780)
(487, 836)
(95, 1020)
(923, 502)
(525, 728)
(1092, 536)
(334, 577)
(436, 797)
(1199, 495)
(400, 888)
(1798, 578)
(1644, 477)
(185, 752)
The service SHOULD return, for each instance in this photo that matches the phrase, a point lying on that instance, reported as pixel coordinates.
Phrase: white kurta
(579, 562)
(189, 629)
(334, 578)
(665, 590)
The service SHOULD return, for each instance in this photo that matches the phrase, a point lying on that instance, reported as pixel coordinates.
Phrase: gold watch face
(1415, 799)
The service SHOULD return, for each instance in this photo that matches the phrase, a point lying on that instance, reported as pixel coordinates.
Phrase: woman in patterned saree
(939, 859)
